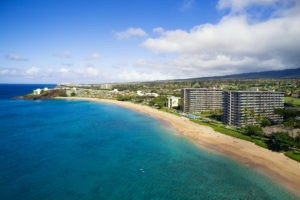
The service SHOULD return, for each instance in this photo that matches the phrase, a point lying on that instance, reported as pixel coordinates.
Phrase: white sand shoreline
(277, 166)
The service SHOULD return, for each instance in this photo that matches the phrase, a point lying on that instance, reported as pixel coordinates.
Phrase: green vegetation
(297, 141)
(289, 117)
(254, 130)
(281, 141)
(196, 85)
(287, 114)
(292, 155)
(265, 122)
(292, 101)
(124, 98)
(30, 95)
(62, 94)
(159, 102)
(288, 86)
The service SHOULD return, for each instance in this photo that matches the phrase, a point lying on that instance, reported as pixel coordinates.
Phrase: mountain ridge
(275, 74)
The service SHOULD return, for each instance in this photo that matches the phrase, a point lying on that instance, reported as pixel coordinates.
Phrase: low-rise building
(173, 102)
(71, 92)
(37, 91)
(152, 94)
(106, 86)
(139, 93)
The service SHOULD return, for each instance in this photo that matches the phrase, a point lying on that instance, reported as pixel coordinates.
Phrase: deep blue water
(59, 149)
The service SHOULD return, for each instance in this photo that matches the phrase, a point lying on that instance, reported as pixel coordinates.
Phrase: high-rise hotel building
(201, 99)
(237, 105)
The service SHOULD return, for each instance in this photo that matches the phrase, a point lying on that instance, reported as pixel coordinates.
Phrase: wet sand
(277, 166)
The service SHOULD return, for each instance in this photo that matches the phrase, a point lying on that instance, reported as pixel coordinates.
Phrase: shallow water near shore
(61, 149)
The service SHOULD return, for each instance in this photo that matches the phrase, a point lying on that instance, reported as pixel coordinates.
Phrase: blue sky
(89, 41)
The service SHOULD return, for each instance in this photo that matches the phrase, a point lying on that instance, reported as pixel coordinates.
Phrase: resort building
(201, 99)
(151, 94)
(173, 102)
(139, 93)
(106, 86)
(37, 91)
(71, 92)
(244, 107)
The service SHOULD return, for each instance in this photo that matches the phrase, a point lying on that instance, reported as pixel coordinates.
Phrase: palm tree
(251, 113)
(245, 110)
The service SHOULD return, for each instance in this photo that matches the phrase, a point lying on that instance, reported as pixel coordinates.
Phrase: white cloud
(4, 71)
(92, 71)
(231, 46)
(240, 5)
(130, 32)
(94, 56)
(32, 71)
(63, 70)
(65, 54)
(187, 4)
(79, 75)
(68, 64)
(158, 30)
(81, 72)
(15, 57)
(231, 35)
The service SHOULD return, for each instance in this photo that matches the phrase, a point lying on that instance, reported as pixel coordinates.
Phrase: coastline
(277, 166)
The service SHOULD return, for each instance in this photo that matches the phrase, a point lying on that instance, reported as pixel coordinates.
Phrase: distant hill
(281, 74)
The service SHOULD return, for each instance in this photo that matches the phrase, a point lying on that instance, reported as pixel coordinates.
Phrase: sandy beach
(280, 168)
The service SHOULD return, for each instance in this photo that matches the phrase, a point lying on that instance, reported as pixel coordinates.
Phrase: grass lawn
(292, 101)
(30, 95)
(292, 155)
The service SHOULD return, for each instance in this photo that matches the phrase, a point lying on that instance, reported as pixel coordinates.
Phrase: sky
(106, 41)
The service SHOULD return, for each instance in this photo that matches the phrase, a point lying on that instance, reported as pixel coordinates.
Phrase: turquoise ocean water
(59, 149)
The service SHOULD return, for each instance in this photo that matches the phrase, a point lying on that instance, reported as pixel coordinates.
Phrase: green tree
(281, 141)
(159, 101)
(254, 130)
(180, 103)
(62, 94)
(289, 125)
(196, 85)
(251, 114)
(297, 141)
(124, 98)
(287, 114)
(265, 122)
(245, 110)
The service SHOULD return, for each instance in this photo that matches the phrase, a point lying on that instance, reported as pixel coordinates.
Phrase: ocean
(67, 149)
